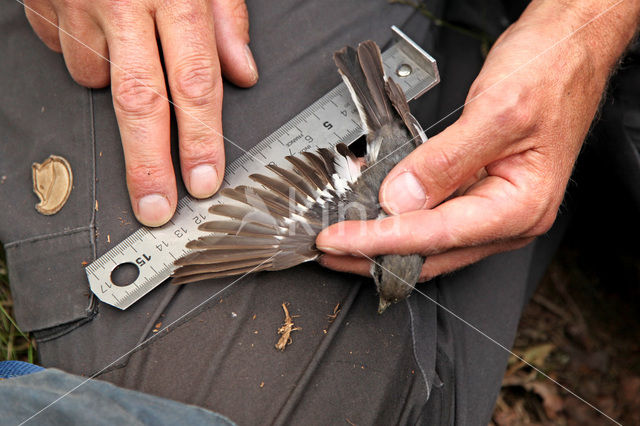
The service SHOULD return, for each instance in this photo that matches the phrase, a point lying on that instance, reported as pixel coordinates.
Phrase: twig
(286, 329)
(552, 307)
(334, 315)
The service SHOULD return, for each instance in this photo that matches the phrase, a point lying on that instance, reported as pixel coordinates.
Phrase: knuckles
(239, 11)
(187, 13)
(442, 168)
(509, 110)
(89, 72)
(95, 80)
(544, 220)
(136, 93)
(513, 110)
(197, 80)
(540, 208)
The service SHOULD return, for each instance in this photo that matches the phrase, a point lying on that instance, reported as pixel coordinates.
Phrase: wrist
(600, 29)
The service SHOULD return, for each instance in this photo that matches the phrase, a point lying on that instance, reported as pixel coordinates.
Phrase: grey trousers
(417, 363)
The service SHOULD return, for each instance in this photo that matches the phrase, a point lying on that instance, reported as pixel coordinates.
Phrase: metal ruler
(328, 121)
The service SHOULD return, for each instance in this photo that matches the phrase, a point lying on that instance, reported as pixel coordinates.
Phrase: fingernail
(251, 63)
(331, 250)
(403, 194)
(154, 210)
(203, 181)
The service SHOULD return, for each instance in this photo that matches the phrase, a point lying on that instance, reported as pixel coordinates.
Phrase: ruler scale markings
(319, 125)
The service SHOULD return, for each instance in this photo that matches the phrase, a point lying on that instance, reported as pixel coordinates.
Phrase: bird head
(395, 277)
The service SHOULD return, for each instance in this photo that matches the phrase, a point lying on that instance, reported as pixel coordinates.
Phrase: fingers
(126, 33)
(434, 265)
(455, 259)
(44, 21)
(352, 264)
(492, 127)
(84, 48)
(494, 209)
(232, 35)
(142, 110)
(434, 170)
(187, 34)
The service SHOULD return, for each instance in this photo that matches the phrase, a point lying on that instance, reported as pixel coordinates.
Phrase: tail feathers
(371, 63)
(399, 102)
(273, 227)
(364, 76)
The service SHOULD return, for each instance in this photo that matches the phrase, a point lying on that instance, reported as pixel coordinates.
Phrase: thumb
(434, 170)
(232, 38)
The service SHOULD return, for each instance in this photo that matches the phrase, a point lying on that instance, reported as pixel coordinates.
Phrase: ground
(14, 345)
(581, 328)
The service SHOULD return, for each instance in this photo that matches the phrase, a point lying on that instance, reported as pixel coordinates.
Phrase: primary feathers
(274, 226)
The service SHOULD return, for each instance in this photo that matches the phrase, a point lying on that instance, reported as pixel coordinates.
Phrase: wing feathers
(273, 227)
(226, 273)
(306, 170)
(294, 180)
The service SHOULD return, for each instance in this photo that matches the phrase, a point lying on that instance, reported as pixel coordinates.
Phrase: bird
(273, 225)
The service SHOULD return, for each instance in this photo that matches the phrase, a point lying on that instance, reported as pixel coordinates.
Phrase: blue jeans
(92, 402)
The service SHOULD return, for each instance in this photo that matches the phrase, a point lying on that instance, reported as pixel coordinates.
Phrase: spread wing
(273, 226)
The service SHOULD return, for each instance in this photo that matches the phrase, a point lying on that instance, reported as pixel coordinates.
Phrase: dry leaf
(552, 403)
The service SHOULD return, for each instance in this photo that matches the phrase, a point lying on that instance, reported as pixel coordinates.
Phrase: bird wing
(274, 226)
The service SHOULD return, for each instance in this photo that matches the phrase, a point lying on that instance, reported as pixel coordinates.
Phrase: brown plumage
(274, 227)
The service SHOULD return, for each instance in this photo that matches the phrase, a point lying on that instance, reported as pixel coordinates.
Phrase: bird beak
(384, 304)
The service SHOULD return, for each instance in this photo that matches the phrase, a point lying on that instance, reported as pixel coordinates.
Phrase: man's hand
(508, 159)
(199, 39)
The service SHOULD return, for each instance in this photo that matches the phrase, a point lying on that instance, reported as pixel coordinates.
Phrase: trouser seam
(414, 350)
(92, 308)
(48, 236)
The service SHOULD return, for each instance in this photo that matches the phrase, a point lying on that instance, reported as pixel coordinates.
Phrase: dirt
(582, 329)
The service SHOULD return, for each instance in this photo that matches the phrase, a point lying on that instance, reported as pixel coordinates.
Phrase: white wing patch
(347, 172)
(373, 148)
(359, 107)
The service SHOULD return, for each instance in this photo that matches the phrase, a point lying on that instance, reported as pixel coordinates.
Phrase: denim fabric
(9, 369)
(53, 397)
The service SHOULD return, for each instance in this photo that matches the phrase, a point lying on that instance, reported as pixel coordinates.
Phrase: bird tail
(364, 75)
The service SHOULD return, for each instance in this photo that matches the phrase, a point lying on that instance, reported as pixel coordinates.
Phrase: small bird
(274, 226)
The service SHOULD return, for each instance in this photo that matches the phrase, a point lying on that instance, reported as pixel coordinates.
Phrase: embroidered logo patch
(52, 182)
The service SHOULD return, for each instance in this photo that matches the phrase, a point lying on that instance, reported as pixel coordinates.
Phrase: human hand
(200, 40)
(506, 161)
